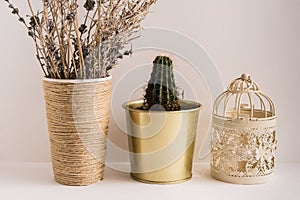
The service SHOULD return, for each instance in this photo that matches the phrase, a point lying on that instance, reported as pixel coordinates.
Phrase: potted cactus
(161, 129)
(76, 58)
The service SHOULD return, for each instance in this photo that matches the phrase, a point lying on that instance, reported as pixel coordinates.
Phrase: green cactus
(161, 92)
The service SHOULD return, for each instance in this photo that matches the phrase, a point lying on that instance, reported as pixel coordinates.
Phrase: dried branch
(67, 49)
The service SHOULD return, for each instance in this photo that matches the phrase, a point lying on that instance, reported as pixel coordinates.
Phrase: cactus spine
(161, 92)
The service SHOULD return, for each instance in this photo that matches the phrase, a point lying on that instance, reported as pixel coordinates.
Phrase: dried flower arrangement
(67, 49)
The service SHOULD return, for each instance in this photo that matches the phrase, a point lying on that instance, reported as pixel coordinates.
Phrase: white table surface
(35, 181)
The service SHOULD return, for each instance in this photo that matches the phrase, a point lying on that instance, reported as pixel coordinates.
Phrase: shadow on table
(201, 173)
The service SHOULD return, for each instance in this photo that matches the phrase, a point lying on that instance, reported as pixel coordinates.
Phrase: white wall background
(261, 37)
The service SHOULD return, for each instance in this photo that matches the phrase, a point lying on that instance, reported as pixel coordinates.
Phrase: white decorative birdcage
(243, 137)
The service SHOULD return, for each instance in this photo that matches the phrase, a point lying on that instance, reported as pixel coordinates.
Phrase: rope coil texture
(78, 117)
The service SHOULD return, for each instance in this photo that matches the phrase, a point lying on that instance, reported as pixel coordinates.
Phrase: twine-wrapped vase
(78, 117)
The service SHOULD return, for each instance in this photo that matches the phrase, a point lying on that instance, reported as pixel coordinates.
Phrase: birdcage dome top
(244, 100)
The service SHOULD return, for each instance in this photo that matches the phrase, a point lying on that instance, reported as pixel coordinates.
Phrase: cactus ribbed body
(161, 92)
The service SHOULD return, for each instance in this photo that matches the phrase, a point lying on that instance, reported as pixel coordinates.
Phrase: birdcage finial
(245, 77)
(243, 84)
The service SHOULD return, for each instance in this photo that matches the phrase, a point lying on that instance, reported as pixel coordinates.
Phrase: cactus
(161, 92)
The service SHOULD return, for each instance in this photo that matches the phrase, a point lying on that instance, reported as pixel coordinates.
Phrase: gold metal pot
(161, 143)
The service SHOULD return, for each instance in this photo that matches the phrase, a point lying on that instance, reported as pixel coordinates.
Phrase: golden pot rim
(127, 106)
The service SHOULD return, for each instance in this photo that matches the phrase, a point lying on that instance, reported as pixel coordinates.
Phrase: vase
(78, 116)
(161, 143)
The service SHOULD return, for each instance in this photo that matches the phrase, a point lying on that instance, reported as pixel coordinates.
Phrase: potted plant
(161, 129)
(76, 59)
